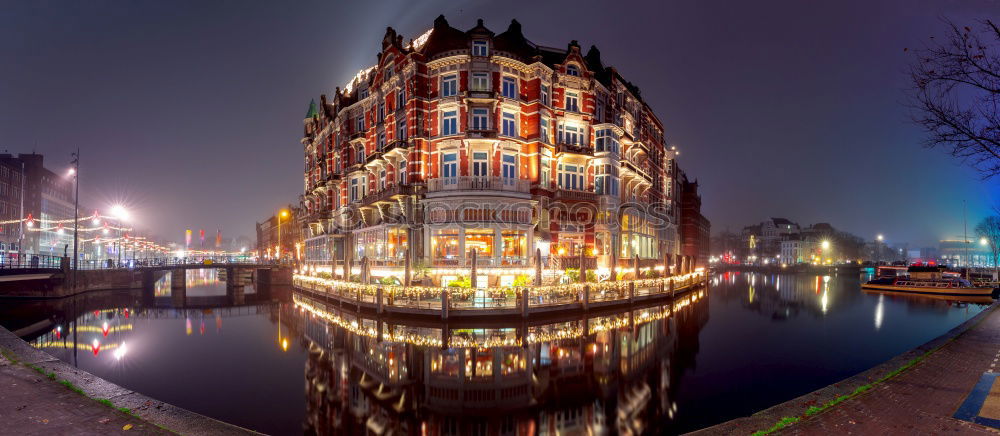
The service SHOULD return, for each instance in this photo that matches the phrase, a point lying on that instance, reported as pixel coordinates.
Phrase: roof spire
(312, 108)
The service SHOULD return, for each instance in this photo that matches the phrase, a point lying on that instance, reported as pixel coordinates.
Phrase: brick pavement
(33, 404)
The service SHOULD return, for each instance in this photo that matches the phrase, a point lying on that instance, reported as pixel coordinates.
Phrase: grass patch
(816, 410)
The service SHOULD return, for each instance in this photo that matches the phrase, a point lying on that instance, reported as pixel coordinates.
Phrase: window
(606, 180)
(400, 98)
(381, 141)
(361, 124)
(571, 177)
(509, 87)
(509, 168)
(573, 70)
(480, 82)
(402, 173)
(480, 119)
(572, 102)
(599, 112)
(480, 164)
(381, 111)
(359, 154)
(479, 48)
(449, 123)
(546, 164)
(570, 134)
(401, 129)
(449, 85)
(606, 140)
(545, 95)
(449, 167)
(364, 93)
(381, 180)
(544, 127)
(509, 124)
(357, 188)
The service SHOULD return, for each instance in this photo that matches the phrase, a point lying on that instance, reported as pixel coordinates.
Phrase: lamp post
(878, 249)
(76, 210)
(281, 214)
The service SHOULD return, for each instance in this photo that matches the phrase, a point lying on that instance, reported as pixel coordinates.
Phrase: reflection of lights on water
(879, 309)
(187, 323)
(824, 300)
(284, 345)
(104, 329)
(120, 351)
(96, 346)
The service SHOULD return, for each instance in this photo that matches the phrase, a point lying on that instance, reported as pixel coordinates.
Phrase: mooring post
(525, 295)
(444, 303)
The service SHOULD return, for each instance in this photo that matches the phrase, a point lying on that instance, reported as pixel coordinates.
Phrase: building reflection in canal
(742, 344)
(606, 374)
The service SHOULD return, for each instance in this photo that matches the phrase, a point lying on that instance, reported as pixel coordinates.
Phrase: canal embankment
(43, 395)
(919, 390)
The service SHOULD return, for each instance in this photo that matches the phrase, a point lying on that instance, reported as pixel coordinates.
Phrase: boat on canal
(929, 280)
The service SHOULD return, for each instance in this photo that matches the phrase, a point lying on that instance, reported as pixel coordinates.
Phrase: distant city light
(983, 241)
(879, 237)
(826, 245)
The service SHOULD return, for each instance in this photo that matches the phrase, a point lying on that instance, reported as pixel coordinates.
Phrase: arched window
(573, 70)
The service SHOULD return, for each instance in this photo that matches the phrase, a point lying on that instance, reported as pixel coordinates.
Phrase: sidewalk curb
(170, 417)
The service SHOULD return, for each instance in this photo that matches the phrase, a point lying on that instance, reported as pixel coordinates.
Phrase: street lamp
(281, 214)
(119, 211)
(878, 249)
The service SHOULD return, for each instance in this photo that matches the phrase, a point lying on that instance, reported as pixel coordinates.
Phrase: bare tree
(955, 94)
(989, 230)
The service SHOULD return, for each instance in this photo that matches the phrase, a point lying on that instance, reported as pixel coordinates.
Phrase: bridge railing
(28, 261)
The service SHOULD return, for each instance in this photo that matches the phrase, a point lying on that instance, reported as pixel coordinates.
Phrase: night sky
(191, 112)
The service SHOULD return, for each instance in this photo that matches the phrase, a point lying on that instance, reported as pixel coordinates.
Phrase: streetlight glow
(983, 241)
(826, 244)
(879, 237)
(119, 211)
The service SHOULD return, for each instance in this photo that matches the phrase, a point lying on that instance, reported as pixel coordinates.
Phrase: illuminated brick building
(471, 140)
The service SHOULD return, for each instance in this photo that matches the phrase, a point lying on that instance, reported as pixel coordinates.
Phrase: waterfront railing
(428, 298)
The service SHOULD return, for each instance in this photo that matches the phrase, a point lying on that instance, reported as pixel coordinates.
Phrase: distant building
(46, 205)
(696, 230)
(956, 253)
(291, 228)
(798, 250)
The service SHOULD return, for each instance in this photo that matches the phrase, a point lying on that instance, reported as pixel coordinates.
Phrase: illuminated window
(480, 82)
(480, 240)
(546, 166)
(515, 243)
(606, 179)
(479, 48)
(544, 129)
(545, 95)
(509, 87)
(449, 85)
(444, 244)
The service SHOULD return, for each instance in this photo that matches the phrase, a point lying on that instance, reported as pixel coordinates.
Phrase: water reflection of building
(619, 377)
(780, 296)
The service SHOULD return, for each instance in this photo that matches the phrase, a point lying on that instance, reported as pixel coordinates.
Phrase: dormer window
(480, 48)
(573, 70)
(364, 93)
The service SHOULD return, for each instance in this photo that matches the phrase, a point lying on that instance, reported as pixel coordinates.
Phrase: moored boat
(931, 280)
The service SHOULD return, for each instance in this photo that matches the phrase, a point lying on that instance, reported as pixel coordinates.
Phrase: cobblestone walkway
(32, 404)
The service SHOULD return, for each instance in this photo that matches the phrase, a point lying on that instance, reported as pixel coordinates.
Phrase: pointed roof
(312, 109)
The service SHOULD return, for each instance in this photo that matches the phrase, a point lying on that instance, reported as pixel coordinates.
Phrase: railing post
(671, 287)
(631, 291)
(586, 297)
(525, 295)
(378, 297)
(444, 303)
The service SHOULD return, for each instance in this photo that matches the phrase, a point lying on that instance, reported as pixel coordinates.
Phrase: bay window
(481, 240)
(606, 140)
(570, 134)
(571, 177)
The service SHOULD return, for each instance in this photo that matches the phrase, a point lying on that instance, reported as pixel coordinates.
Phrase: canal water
(281, 362)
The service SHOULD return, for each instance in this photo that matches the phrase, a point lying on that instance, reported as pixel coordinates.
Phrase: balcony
(394, 145)
(360, 166)
(387, 194)
(472, 183)
(357, 135)
(563, 147)
(482, 133)
(480, 95)
(565, 194)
